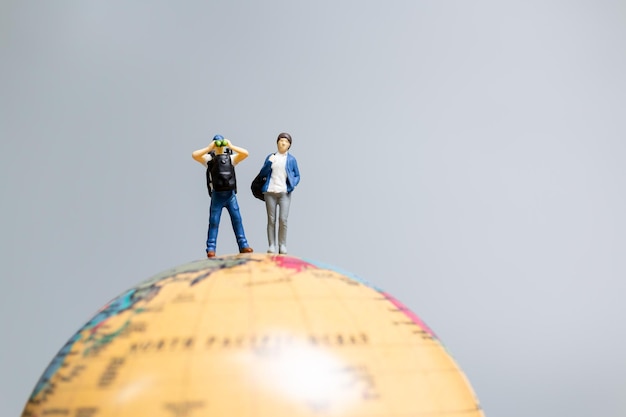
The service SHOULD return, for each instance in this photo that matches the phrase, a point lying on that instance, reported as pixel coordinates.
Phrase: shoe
(246, 250)
(282, 250)
(271, 249)
(210, 254)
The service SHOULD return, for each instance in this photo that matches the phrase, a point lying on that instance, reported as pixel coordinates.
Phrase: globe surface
(253, 335)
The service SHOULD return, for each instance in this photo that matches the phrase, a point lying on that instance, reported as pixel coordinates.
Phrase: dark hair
(286, 136)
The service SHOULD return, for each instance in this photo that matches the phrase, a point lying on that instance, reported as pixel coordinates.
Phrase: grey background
(465, 156)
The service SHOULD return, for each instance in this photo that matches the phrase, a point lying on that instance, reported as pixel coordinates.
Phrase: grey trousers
(272, 202)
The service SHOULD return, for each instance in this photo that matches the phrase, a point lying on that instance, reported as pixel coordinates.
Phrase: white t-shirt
(278, 179)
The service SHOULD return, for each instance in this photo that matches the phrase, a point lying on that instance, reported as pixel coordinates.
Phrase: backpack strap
(209, 166)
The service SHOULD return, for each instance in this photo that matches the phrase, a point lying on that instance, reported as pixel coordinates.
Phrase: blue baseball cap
(218, 137)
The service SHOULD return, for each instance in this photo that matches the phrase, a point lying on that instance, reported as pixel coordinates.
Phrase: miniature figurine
(282, 175)
(220, 162)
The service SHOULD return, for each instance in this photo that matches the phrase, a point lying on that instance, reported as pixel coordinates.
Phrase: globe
(253, 335)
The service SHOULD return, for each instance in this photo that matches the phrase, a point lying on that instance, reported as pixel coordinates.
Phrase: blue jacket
(293, 174)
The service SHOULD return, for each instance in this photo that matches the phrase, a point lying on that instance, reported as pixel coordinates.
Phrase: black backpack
(220, 173)
(257, 186)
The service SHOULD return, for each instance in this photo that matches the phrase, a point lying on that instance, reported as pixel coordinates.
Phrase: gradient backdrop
(465, 156)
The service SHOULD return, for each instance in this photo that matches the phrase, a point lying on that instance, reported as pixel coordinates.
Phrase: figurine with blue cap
(220, 159)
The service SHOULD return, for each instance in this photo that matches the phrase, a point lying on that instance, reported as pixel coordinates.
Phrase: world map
(253, 335)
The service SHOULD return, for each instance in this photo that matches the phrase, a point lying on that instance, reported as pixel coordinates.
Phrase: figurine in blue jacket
(281, 170)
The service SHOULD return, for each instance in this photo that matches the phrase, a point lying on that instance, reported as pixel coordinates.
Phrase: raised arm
(240, 153)
(198, 155)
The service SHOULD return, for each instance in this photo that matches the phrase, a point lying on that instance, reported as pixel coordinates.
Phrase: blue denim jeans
(219, 200)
